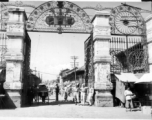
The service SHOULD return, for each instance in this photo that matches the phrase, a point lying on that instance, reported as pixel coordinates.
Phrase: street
(68, 109)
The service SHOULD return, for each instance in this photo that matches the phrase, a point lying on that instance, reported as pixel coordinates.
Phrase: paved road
(69, 110)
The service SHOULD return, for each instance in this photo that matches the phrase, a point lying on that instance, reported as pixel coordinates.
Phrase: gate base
(13, 99)
(103, 99)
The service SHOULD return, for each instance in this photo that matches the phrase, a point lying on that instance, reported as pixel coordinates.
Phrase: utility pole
(35, 71)
(74, 62)
(41, 77)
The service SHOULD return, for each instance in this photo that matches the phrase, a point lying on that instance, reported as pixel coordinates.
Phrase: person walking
(128, 95)
(57, 92)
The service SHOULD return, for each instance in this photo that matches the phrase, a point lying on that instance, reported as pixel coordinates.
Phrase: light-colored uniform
(90, 96)
(128, 94)
(65, 93)
(76, 94)
(83, 89)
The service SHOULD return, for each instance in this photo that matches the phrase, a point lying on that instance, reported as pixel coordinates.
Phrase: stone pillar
(15, 56)
(149, 40)
(102, 59)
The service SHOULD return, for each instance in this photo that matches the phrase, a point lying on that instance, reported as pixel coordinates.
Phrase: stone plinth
(103, 96)
(103, 99)
(13, 99)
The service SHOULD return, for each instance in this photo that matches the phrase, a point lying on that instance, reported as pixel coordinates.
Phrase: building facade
(73, 75)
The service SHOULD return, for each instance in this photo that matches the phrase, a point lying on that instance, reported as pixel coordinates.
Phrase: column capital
(101, 32)
(15, 24)
(100, 14)
(101, 25)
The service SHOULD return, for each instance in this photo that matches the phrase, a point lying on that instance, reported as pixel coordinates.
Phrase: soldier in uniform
(90, 95)
(76, 94)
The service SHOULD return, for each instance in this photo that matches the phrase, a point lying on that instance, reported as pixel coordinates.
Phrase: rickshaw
(42, 92)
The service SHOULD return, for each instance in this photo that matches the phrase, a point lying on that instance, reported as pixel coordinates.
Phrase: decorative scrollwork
(136, 59)
(3, 50)
(20, 4)
(4, 16)
(79, 18)
(126, 20)
(116, 65)
(98, 8)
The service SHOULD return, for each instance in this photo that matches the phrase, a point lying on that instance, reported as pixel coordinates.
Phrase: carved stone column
(102, 59)
(15, 56)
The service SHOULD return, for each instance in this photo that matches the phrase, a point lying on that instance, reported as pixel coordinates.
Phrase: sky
(51, 52)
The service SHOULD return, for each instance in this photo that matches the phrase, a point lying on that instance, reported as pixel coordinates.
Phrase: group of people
(80, 94)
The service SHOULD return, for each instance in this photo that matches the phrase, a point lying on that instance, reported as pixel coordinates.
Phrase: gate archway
(63, 17)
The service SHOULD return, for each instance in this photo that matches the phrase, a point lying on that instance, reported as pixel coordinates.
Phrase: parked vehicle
(42, 91)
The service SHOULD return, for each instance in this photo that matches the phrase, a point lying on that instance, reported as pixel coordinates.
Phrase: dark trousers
(56, 96)
(30, 100)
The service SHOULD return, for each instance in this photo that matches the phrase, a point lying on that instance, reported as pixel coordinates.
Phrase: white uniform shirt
(65, 89)
(91, 92)
(128, 94)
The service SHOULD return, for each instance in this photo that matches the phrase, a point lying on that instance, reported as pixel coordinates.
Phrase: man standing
(76, 94)
(83, 92)
(90, 95)
(128, 94)
(57, 91)
(30, 94)
(65, 93)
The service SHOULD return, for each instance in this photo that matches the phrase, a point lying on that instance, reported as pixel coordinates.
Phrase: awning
(146, 78)
(127, 77)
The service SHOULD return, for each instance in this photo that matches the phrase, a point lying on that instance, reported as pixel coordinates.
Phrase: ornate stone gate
(66, 17)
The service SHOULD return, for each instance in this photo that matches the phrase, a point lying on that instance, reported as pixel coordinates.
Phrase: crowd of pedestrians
(81, 95)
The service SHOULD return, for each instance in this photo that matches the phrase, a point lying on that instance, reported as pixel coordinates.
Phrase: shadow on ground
(51, 103)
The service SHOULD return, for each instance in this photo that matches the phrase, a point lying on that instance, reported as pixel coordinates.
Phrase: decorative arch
(127, 20)
(47, 16)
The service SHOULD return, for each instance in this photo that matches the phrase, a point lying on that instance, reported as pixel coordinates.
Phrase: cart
(42, 93)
